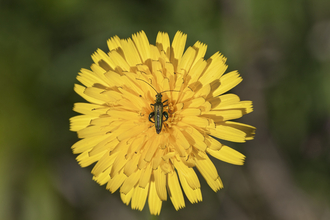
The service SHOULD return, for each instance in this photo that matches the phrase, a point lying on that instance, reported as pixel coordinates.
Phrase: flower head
(155, 115)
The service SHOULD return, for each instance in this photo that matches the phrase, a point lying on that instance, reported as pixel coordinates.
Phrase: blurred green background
(281, 48)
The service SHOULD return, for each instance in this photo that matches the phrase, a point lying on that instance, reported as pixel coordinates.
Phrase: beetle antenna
(148, 84)
(170, 91)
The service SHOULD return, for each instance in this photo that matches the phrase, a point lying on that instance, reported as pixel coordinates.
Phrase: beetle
(158, 109)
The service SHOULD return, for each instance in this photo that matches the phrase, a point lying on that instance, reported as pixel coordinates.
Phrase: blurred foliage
(43, 44)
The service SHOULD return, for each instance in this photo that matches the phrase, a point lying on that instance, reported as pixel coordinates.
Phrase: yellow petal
(89, 78)
(120, 160)
(213, 144)
(136, 145)
(157, 159)
(102, 62)
(225, 100)
(244, 106)
(193, 195)
(179, 150)
(90, 109)
(131, 165)
(206, 107)
(197, 70)
(80, 122)
(114, 78)
(139, 197)
(186, 61)
(103, 120)
(130, 182)
(86, 144)
(145, 176)
(180, 138)
(195, 103)
(96, 93)
(91, 131)
(84, 159)
(194, 137)
(215, 69)
(155, 204)
(104, 163)
(154, 52)
(186, 96)
(131, 54)
(209, 172)
(169, 70)
(247, 129)
(129, 106)
(157, 70)
(201, 122)
(188, 173)
(224, 115)
(114, 43)
(166, 84)
(204, 92)
(115, 182)
(163, 43)
(178, 45)
(189, 112)
(126, 198)
(100, 72)
(227, 82)
(160, 182)
(107, 144)
(227, 155)
(200, 49)
(169, 155)
(228, 133)
(103, 177)
(174, 191)
(150, 150)
(123, 114)
(119, 61)
(130, 129)
(142, 44)
(80, 91)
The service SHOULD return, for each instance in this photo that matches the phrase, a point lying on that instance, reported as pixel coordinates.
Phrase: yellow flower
(117, 134)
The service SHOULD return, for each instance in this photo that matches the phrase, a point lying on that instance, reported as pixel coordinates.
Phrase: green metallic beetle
(158, 111)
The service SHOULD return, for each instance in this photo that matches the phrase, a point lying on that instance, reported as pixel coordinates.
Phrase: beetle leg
(151, 115)
(164, 103)
(166, 115)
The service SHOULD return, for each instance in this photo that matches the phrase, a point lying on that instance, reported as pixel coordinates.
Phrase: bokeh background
(281, 48)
